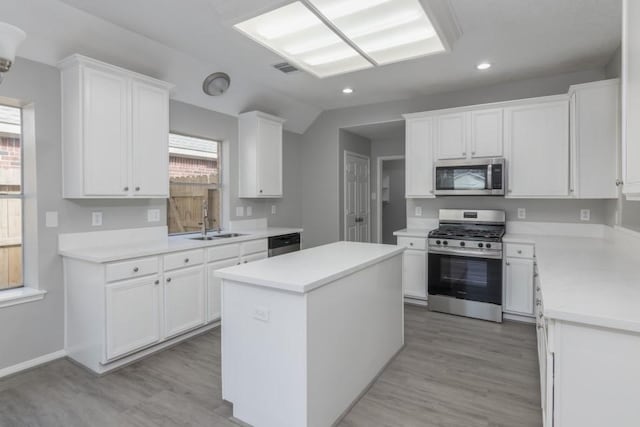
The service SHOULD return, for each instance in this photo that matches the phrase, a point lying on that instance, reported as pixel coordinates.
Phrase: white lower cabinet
(518, 274)
(184, 300)
(122, 310)
(129, 330)
(414, 267)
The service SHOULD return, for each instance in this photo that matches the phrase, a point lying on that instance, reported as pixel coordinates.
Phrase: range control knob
(488, 245)
(445, 243)
(462, 243)
(438, 242)
(480, 245)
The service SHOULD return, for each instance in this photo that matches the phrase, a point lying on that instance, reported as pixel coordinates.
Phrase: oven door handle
(466, 253)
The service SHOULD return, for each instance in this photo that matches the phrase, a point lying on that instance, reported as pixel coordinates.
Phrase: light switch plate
(273, 209)
(51, 219)
(249, 210)
(261, 313)
(522, 213)
(153, 215)
(96, 219)
(585, 214)
(239, 210)
(418, 210)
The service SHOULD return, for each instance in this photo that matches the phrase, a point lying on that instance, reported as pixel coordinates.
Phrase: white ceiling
(387, 131)
(183, 41)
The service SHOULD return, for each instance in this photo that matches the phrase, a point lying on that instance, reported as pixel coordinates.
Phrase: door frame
(348, 153)
(380, 160)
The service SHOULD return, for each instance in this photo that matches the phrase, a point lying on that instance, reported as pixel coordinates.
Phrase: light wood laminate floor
(453, 371)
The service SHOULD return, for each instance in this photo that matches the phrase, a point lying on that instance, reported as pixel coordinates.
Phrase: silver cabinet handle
(507, 263)
(186, 260)
(168, 279)
(246, 261)
(260, 191)
(540, 315)
(137, 188)
(538, 302)
(411, 244)
(540, 326)
(619, 182)
(538, 289)
(157, 282)
(519, 252)
(126, 188)
(136, 269)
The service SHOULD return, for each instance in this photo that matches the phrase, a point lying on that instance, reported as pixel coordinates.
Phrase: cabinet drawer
(183, 259)
(255, 246)
(519, 251)
(413, 242)
(218, 253)
(130, 269)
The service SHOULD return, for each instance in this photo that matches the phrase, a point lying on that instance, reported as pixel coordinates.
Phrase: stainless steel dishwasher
(283, 244)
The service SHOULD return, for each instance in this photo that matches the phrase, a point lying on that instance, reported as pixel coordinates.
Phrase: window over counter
(11, 253)
(194, 181)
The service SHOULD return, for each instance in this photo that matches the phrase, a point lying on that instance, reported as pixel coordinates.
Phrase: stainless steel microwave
(475, 177)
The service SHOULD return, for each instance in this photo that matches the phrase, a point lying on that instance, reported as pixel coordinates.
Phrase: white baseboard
(22, 366)
(415, 301)
(518, 318)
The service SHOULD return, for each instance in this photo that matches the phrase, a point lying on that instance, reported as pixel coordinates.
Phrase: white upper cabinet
(260, 153)
(486, 133)
(115, 130)
(537, 148)
(419, 157)
(595, 140)
(631, 98)
(451, 138)
(469, 134)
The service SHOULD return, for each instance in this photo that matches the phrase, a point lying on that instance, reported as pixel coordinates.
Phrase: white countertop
(412, 232)
(588, 280)
(108, 253)
(309, 269)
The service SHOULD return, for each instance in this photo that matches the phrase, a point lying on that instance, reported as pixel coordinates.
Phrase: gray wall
(379, 148)
(320, 185)
(37, 328)
(394, 212)
(348, 141)
(537, 210)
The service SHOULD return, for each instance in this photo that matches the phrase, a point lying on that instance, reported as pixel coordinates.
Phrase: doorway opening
(391, 206)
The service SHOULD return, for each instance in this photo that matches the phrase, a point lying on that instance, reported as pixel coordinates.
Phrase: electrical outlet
(418, 210)
(239, 210)
(153, 215)
(522, 213)
(585, 214)
(96, 219)
(249, 210)
(261, 313)
(273, 209)
(51, 219)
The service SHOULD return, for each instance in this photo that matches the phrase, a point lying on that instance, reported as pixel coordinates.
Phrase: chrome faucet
(205, 217)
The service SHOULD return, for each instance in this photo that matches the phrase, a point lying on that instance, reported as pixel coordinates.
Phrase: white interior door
(356, 198)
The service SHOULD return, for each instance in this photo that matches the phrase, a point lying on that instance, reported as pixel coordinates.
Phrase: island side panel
(264, 358)
(355, 328)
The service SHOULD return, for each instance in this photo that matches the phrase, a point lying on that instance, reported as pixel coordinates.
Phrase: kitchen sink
(217, 236)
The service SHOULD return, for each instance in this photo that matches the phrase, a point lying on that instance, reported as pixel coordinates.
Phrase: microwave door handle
(490, 177)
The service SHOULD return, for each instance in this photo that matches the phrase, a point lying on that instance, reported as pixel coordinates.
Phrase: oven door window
(476, 279)
(461, 178)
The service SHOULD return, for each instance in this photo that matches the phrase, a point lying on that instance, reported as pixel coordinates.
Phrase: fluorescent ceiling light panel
(296, 33)
(385, 30)
(329, 37)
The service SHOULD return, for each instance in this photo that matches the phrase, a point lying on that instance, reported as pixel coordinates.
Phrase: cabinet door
(150, 142)
(132, 315)
(419, 157)
(451, 138)
(519, 286)
(415, 273)
(214, 298)
(184, 300)
(486, 133)
(595, 140)
(269, 158)
(537, 144)
(631, 97)
(106, 133)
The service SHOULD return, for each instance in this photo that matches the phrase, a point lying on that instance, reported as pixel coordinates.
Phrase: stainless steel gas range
(465, 263)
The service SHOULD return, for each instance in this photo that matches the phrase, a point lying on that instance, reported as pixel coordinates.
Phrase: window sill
(17, 296)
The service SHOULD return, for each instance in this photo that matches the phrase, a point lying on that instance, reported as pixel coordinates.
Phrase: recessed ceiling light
(330, 37)
(347, 91)
(483, 66)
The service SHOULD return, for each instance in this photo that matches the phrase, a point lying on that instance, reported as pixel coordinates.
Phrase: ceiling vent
(285, 67)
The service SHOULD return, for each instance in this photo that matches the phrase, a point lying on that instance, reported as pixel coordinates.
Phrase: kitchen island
(305, 334)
